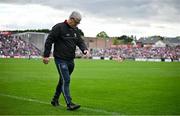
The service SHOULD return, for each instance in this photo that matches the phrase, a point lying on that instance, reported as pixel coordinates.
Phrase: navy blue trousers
(65, 68)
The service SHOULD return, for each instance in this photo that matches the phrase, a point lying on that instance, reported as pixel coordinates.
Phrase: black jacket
(65, 39)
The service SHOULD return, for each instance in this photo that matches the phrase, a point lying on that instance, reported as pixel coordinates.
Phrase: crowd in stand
(15, 46)
(135, 52)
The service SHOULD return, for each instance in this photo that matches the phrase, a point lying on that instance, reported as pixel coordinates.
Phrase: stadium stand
(15, 47)
(30, 44)
(35, 38)
(139, 53)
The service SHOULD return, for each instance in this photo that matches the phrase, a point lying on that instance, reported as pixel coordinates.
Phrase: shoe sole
(75, 108)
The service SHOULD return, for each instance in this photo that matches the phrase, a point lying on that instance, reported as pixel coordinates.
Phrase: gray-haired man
(65, 36)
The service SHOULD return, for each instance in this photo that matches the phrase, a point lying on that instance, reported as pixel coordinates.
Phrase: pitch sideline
(43, 102)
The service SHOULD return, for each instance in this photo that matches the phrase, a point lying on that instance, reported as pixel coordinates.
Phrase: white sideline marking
(43, 102)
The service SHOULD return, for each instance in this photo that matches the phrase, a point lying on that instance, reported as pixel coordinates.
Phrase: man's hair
(75, 15)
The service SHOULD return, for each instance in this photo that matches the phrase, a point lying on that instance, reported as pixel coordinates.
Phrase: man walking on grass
(65, 36)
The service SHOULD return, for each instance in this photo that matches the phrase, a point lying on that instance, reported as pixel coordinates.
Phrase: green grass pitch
(101, 87)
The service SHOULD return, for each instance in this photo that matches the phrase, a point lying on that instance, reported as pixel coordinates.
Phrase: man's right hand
(45, 60)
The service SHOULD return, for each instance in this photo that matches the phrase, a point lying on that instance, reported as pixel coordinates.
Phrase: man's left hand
(86, 52)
